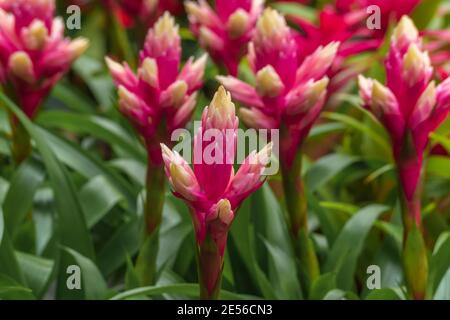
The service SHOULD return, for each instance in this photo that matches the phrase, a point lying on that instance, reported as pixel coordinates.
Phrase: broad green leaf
(322, 285)
(439, 262)
(93, 286)
(9, 265)
(439, 166)
(349, 244)
(12, 290)
(19, 199)
(97, 197)
(325, 169)
(443, 291)
(96, 126)
(424, 12)
(383, 294)
(187, 289)
(37, 272)
(297, 10)
(72, 228)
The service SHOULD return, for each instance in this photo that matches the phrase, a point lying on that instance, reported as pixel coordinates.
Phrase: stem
(296, 203)
(415, 259)
(146, 261)
(20, 142)
(210, 266)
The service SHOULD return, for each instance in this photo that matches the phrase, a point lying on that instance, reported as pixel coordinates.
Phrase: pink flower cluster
(34, 54)
(289, 92)
(160, 98)
(225, 32)
(410, 105)
(212, 189)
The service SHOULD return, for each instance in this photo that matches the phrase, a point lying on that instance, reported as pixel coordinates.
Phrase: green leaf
(98, 197)
(439, 166)
(187, 289)
(383, 294)
(322, 285)
(424, 12)
(93, 285)
(326, 168)
(297, 10)
(349, 244)
(361, 127)
(443, 291)
(37, 272)
(96, 126)
(72, 228)
(9, 265)
(19, 199)
(11, 290)
(439, 262)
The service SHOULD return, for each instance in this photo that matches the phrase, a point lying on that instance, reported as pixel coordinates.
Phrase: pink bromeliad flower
(211, 188)
(157, 100)
(288, 93)
(34, 54)
(160, 98)
(225, 32)
(410, 105)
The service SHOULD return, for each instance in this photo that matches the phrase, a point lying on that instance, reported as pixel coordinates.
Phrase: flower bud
(238, 23)
(424, 107)
(175, 94)
(35, 36)
(21, 66)
(405, 33)
(416, 65)
(181, 180)
(149, 72)
(268, 82)
(127, 100)
(383, 100)
(224, 211)
(271, 27)
(221, 113)
(77, 47)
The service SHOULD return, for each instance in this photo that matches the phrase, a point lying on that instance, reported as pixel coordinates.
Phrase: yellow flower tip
(149, 72)
(200, 64)
(221, 105)
(21, 66)
(180, 178)
(264, 155)
(127, 99)
(268, 82)
(319, 86)
(271, 24)
(36, 35)
(166, 27)
(113, 66)
(415, 64)
(77, 47)
(237, 24)
(178, 91)
(329, 51)
(428, 97)
(224, 211)
(166, 152)
(405, 31)
(192, 8)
